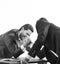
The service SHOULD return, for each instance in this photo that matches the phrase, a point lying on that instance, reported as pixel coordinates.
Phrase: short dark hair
(41, 22)
(27, 26)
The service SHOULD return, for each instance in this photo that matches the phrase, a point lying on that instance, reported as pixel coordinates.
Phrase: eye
(27, 34)
(21, 36)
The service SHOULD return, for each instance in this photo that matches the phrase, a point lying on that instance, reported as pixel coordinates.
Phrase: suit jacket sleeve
(42, 33)
(10, 42)
(41, 53)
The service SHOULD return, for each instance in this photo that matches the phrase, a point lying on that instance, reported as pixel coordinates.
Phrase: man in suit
(11, 41)
(49, 36)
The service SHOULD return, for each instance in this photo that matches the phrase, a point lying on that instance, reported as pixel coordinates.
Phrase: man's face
(24, 37)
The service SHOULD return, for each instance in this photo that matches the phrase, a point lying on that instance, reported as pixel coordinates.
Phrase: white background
(15, 13)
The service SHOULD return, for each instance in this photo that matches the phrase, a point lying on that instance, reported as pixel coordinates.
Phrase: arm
(12, 47)
(32, 51)
(41, 53)
(18, 52)
(51, 56)
(42, 33)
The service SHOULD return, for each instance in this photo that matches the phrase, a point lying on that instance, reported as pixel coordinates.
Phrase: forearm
(41, 53)
(18, 52)
(36, 47)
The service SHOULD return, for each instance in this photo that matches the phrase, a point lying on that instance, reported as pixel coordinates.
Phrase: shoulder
(11, 32)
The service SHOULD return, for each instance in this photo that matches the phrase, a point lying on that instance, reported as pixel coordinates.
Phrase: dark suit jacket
(8, 45)
(48, 35)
